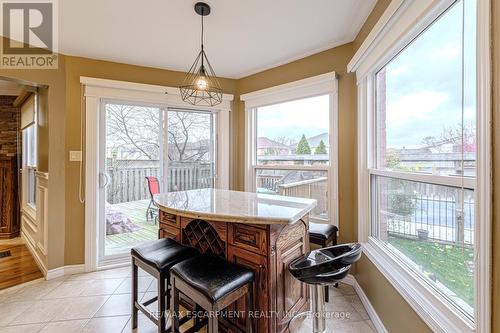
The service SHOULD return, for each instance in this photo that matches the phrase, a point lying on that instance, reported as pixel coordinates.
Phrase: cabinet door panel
(170, 232)
(248, 237)
(258, 264)
(291, 294)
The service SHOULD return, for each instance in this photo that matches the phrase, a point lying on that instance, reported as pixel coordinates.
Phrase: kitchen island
(260, 231)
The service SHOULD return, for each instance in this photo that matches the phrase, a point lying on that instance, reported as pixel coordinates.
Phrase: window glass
(426, 124)
(294, 133)
(191, 146)
(296, 183)
(420, 97)
(432, 228)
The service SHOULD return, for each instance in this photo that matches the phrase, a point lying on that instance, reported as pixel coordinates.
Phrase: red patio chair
(154, 188)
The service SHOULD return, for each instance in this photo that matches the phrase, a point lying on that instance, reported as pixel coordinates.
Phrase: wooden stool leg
(175, 306)
(161, 304)
(167, 295)
(213, 323)
(249, 307)
(135, 293)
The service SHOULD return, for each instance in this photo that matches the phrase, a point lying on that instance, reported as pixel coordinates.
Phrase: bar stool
(213, 284)
(156, 258)
(324, 235)
(319, 268)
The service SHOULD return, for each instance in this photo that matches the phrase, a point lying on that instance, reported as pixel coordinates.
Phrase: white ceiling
(241, 36)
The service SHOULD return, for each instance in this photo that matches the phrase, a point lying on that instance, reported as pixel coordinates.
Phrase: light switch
(75, 155)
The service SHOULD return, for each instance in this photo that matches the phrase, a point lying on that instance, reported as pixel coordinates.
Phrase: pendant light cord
(202, 30)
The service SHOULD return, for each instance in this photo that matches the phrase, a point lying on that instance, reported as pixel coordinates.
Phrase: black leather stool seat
(163, 253)
(322, 231)
(212, 276)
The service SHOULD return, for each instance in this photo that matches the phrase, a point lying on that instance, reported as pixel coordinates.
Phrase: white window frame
(95, 91)
(402, 22)
(324, 84)
(29, 208)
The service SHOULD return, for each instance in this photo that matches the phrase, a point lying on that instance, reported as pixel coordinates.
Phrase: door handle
(103, 180)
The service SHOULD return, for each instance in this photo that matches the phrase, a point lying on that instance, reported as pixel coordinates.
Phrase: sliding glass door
(190, 150)
(147, 149)
(131, 154)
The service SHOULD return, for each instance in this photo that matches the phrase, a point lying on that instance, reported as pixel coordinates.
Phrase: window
(424, 167)
(29, 151)
(292, 146)
(424, 164)
(29, 137)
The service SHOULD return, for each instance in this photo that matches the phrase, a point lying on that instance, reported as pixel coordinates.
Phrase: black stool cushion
(163, 253)
(321, 230)
(213, 276)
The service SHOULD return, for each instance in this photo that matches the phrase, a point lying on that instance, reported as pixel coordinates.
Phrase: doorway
(147, 149)
(19, 104)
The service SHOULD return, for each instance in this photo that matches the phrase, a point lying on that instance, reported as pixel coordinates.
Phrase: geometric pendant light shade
(200, 86)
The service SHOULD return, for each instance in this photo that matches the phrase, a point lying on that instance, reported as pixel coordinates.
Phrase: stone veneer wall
(9, 126)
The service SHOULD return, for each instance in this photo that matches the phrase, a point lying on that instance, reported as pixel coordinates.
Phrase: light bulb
(202, 83)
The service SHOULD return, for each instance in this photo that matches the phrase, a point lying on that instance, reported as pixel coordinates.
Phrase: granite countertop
(235, 206)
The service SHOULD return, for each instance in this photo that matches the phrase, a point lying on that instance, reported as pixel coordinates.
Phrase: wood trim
(484, 169)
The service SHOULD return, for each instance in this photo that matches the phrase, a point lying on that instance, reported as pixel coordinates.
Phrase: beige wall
(51, 149)
(76, 67)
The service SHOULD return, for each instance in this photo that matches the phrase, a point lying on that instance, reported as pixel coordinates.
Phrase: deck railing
(127, 181)
(316, 188)
(424, 211)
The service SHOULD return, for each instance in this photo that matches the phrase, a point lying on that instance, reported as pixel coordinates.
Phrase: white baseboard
(52, 273)
(31, 247)
(379, 326)
(64, 270)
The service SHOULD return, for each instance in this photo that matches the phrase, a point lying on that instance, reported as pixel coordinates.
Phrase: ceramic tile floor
(100, 302)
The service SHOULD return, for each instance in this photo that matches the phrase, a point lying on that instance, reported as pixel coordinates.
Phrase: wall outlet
(75, 155)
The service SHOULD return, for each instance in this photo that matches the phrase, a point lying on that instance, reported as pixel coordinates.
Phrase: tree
(188, 136)
(321, 148)
(303, 146)
(133, 132)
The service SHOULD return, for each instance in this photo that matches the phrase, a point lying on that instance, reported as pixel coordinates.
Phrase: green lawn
(448, 263)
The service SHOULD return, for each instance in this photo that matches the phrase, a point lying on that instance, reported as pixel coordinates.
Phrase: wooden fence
(127, 181)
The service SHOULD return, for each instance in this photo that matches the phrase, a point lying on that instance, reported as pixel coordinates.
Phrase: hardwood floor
(19, 267)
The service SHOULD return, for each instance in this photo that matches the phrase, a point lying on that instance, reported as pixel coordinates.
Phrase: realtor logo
(29, 30)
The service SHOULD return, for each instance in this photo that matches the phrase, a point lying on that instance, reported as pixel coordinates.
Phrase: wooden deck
(136, 212)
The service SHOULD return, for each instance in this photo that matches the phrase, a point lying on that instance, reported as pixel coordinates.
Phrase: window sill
(427, 303)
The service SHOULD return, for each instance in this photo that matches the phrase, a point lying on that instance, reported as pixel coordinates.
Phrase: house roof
(266, 143)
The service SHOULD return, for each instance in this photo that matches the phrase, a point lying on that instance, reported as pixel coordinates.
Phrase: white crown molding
(134, 86)
(384, 22)
(311, 86)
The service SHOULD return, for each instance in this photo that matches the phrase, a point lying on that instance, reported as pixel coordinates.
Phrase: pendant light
(200, 86)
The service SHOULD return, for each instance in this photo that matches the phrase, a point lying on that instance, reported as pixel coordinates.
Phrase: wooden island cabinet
(261, 232)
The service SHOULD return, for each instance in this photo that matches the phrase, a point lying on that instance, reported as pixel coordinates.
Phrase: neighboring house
(447, 160)
(266, 146)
